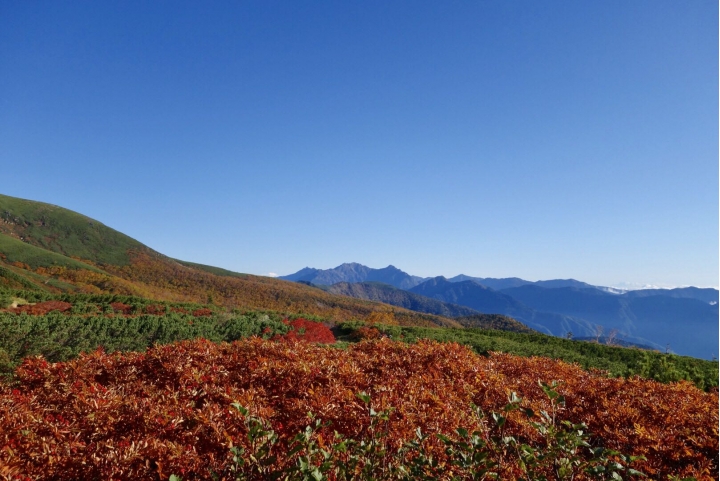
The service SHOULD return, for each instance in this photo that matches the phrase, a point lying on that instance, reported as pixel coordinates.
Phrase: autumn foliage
(306, 331)
(42, 308)
(169, 410)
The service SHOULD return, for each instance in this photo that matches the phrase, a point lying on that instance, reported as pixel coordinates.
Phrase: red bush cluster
(149, 415)
(42, 308)
(125, 309)
(155, 309)
(202, 312)
(366, 333)
(306, 331)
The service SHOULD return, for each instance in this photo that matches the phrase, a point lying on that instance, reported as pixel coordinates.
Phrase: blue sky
(533, 139)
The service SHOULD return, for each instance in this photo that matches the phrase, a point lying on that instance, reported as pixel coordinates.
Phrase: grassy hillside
(14, 250)
(218, 271)
(64, 232)
(43, 247)
(493, 321)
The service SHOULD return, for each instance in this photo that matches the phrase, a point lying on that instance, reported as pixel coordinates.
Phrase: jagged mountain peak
(356, 272)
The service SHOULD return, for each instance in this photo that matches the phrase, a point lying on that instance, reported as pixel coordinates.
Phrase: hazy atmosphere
(540, 140)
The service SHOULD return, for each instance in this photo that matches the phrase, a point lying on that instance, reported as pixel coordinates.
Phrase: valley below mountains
(50, 249)
(682, 320)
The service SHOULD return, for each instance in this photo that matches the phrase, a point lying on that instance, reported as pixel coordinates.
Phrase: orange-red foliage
(366, 332)
(307, 331)
(121, 307)
(42, 308)
(154, 276)
(148, 415)
(202, 312)
(155, 309)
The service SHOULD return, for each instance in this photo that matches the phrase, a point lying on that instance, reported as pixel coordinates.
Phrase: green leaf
(240, 408)
(364, 397)
(499, 419)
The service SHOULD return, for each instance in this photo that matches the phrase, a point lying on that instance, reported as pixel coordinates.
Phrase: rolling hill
(53, 249)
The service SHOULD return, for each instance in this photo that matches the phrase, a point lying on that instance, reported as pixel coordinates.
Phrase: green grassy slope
(493, 321)
(18, 251)
(218, 271)
(63, 231)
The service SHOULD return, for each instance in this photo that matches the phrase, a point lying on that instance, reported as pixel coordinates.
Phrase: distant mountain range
(353, 272)
(376, 291)
(52, 250)
(686, 319)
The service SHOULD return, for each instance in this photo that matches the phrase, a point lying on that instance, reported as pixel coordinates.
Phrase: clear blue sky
(534, 139)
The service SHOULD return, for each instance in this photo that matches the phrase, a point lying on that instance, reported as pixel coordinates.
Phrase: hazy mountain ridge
(685, 318)
(388, 294)
(505, 283)
(353, 272)
(490, 301)
(688, 325)
(705, 294)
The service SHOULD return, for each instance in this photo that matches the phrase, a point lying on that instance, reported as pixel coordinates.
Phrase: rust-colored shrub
(125, 309)
(155, 309)
(366, 333)
(42, 308)
(149, 415)
(306, 331)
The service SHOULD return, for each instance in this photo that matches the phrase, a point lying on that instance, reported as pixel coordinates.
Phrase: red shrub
(365, 333)
(148, 415)
(307, 331)
(120, 307)
(202, 312)
(155, 309)
(42, 308)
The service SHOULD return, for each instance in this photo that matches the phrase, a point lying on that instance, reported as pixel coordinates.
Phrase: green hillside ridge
(63, 231)
(218, 271)
(493, 321)
(15, 278)
(16, 250)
